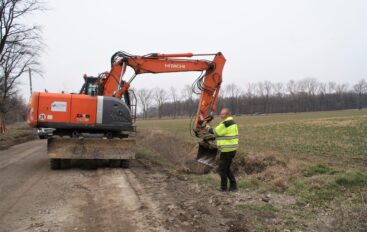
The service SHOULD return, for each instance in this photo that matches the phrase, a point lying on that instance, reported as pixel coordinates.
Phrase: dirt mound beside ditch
(183, 155)
(187, 205)
(178, 152)
(15, 136)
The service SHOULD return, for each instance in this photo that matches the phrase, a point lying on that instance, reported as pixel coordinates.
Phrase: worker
(226, 134)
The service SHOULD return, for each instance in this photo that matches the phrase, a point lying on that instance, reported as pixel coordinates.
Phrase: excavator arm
(112, 83)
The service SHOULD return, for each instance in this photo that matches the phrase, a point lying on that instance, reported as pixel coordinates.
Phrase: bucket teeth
(206, 154)
(208, 161)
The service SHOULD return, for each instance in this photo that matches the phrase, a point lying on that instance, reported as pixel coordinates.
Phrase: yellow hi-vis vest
(226, 135)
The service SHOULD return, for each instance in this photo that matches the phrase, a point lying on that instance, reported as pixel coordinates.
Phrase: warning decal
(58, 106)
(42, 116)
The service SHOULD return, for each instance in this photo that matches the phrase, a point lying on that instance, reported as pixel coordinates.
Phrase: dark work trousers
(225, 172)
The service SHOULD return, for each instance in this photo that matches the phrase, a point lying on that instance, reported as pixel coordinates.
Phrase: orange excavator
(98, 123)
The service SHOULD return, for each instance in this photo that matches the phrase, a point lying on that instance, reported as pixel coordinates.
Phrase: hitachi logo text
(175, 66)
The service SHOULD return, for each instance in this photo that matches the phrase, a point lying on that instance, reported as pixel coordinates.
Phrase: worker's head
(224, 113)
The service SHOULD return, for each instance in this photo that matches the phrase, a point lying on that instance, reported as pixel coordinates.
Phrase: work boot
(233, 187)
(222, 189)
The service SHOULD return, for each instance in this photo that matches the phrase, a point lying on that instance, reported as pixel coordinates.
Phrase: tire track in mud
(105, 202)
(19, 152)
(8, 203)
(12, 189)
(109, 201)
(149, 210)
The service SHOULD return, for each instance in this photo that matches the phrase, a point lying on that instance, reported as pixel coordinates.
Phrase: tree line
(264, 97)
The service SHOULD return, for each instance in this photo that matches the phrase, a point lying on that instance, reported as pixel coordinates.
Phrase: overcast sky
(275, 40)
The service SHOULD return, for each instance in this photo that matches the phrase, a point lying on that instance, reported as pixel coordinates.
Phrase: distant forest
(256, 98)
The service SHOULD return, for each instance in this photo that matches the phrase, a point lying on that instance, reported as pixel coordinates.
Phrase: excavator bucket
(207, 154)
(91, 148)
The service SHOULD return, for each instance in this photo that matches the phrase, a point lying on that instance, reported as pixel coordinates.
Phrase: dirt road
(35, 198)
(142, 198)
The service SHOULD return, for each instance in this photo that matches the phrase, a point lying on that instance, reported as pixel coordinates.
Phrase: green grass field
(336, 137)
(317, 158)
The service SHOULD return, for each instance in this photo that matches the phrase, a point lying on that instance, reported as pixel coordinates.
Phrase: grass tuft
(248, 183)
(153, 157)
(351, 179)
(318, 169)
(210, 179)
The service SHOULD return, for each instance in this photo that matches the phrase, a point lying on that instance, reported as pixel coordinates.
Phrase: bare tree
(268, 87)
(233, 93)
(260, 89)
(188, 97)
(17, 109)
(308, 88)
(250, 94)
(145, 100)
(321, 92)
(360, 88)
(291, 87)
(278, 89)
(175, 99)
(277, 99)
(331, 87)
(160, 96)
(341, 88)
(265, 90)
(292, 90)
(20, 46)
(250, 90)
(322, 88)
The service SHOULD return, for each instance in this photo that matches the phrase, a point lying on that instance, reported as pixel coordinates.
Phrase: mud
(180, 153)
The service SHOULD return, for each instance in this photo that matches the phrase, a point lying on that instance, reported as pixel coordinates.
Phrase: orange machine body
(62, 108)
(78, 112)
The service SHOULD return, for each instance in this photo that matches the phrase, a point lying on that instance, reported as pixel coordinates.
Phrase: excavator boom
(209, 83)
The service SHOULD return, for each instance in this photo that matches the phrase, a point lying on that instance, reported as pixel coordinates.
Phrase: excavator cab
(90, 86)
